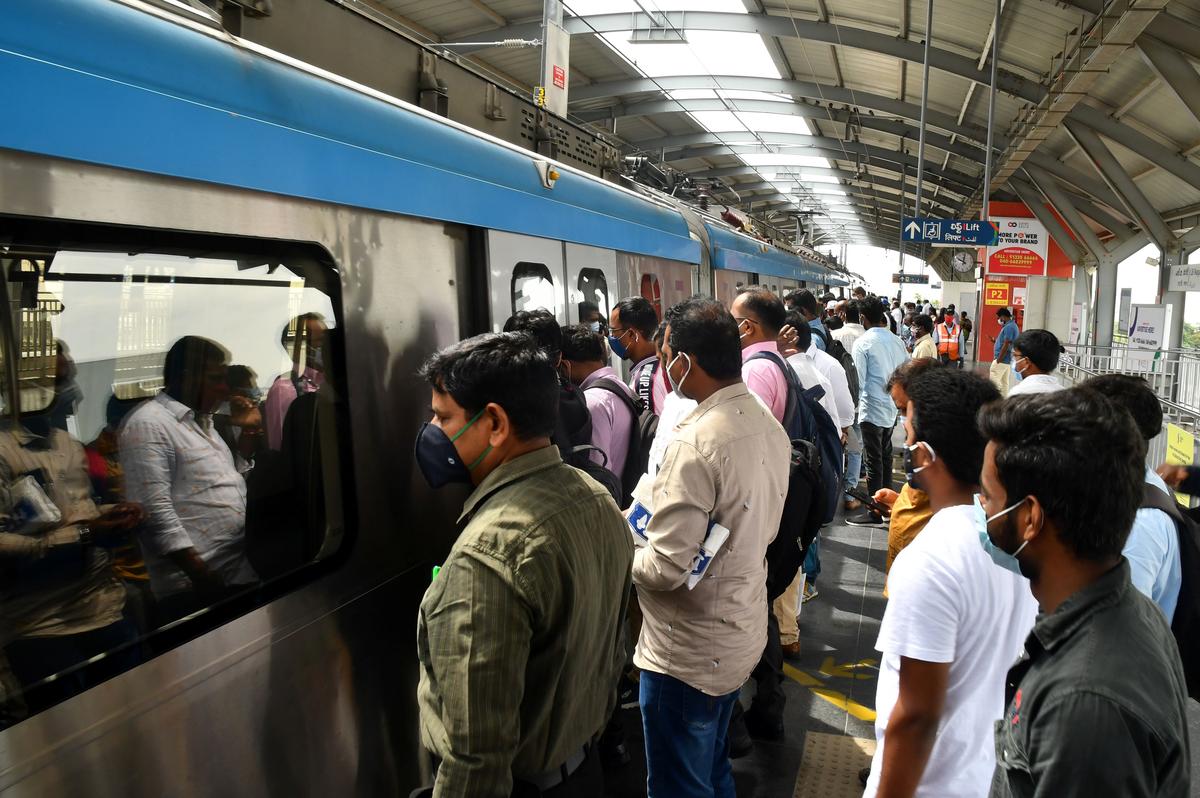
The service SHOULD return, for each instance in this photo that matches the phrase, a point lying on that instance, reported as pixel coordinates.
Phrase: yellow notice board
(1181, 450)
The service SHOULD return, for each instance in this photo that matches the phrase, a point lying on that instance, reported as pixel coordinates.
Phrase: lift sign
(949, 232)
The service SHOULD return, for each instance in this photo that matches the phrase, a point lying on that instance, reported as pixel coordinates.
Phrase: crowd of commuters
(1021, 586)
(186, 497)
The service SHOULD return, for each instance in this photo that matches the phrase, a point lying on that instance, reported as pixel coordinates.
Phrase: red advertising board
(560, 77)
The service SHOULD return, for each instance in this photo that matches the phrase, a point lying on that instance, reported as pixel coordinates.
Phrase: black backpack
(641, 436)
(1185, 626)
(814, 478)
(573, 437)
(834, 348)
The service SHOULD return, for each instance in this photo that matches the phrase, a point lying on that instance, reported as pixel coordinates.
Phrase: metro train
(158, 178)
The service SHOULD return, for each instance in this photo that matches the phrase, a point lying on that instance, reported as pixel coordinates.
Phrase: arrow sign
(949, 232)
(849, 670)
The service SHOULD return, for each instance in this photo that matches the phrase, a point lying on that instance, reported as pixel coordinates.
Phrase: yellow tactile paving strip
(831, 764)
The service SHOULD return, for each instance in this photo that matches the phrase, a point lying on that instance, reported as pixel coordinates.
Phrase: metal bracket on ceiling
(492, 107)
(432, 93)
(658, 32)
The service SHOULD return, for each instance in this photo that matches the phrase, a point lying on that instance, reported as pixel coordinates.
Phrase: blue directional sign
(949, 232)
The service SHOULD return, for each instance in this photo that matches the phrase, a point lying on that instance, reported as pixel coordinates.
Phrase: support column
(1175, 299)
(1106, 300)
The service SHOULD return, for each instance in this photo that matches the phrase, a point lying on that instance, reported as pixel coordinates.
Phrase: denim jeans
(877, 446)
(687, 741)
(812, 560)
(854, 456)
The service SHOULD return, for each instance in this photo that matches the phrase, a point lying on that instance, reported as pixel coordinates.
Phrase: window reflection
(199, 386)
(532, 288)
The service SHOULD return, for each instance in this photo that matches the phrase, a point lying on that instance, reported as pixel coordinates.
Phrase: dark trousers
(877, 451)
(34, 658)
(687, 739)
(586, 782)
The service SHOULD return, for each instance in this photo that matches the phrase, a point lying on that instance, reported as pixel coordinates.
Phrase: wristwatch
(86, 536)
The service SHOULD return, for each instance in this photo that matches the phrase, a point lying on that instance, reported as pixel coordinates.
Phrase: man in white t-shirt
(954, 622)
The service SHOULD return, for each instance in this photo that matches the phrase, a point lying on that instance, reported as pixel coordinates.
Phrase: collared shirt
(520, 635)
(1152, 550)
(66, 592)
(280, 398)
(848, 333)
(186, 478)
(765, 379)
(1035, 383)
(658, 384)
(831, 369)
(1096, 706)
(675, 409)
(876, 355)
(910, 513)
(1008, 333)
(809, 377)
(728, 464)
(819, 332)
(611, 419)
(925, 348)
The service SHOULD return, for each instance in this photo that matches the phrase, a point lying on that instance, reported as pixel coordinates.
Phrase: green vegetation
(1191, 336)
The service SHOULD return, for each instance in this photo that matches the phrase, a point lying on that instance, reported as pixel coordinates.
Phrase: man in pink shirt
(585, 359)
(760, 316)
(301, 339)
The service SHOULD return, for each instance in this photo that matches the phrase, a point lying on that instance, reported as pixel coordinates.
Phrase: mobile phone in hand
(869, 502)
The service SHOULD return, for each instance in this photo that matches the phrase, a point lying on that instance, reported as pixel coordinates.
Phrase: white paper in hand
(713, 541)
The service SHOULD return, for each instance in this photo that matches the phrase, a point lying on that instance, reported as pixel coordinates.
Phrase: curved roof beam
(787, 28)
(953, 180)
(800, 88)
(1180, 34)
(850, 185)
(841, 116)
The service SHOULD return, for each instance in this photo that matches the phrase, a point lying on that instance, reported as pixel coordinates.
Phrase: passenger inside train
(1005, 564)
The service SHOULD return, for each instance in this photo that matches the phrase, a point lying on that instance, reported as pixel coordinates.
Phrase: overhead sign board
(915, 279)
(557, 63)
(948, 232)
(1021, 248)
(997, 294)
(1184, 277)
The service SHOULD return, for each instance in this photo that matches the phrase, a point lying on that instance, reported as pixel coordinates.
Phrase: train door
(524, 273)
(591, 282)
(727, 283)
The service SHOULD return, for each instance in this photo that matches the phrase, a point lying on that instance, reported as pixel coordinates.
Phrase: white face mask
(677, 387)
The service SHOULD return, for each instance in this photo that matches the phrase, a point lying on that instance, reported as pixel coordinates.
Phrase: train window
(532, 287)
(651, 289)
(169, 452)
(593, 293)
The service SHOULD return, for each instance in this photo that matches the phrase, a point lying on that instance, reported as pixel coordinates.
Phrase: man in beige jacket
(728, 465)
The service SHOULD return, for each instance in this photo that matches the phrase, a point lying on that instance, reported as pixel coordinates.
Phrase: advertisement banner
(1022, 247)
(1181, 450)
(1076, 323)
(557, 63)
(1147, 333)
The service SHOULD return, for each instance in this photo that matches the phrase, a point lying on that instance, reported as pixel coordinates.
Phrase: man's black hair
(240, 377)
(1003, 313)
(581, 345)
(299, 324)
(1042, 348)
(765, 306)
(853, 311)
(805, 300)
(923, 321)
(910, 369)
(188, 358)
(706, 331)
(804, 333)
(945, 403)
(507, 368)
(540, 324)
(638, 313)
(872, 310)
(1048, 446)
(1134, 395)
(587, 308)
(660, 332)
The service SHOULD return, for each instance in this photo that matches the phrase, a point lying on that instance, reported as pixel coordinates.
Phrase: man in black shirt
(1095, 706)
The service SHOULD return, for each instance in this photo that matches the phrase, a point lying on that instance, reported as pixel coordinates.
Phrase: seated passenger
(727, 464)
(585, 361)
(1152, 547)
(519, 636)
(1096, 706)
(1034, 359)
(60, 602)
(192, 486)
(632, 326)
(301, 339)
(108, 483)
(953, 622)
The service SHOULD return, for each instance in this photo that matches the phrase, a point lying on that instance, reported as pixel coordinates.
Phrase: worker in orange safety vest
(949, 339)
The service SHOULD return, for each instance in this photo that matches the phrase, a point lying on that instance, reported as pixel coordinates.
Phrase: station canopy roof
(814, 105)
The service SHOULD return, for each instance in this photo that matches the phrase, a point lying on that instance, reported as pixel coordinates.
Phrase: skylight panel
(784, 159)
(774, 123)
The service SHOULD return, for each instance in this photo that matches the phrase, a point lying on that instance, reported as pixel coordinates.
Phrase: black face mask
(438, 458)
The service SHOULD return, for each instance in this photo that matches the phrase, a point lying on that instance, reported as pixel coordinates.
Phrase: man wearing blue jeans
(727, 465)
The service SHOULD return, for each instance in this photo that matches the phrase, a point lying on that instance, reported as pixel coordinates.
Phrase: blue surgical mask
(909, 471)
(1017, 376)
(438, 458)
(677, 387)
(618, 348)
(998, 555)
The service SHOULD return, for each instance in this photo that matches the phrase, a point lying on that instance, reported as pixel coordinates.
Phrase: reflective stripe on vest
(948, 340)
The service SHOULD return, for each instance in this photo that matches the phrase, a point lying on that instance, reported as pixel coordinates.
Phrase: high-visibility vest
(948, 340)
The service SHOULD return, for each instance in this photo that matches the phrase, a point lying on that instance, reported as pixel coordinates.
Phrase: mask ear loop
(459, 434)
